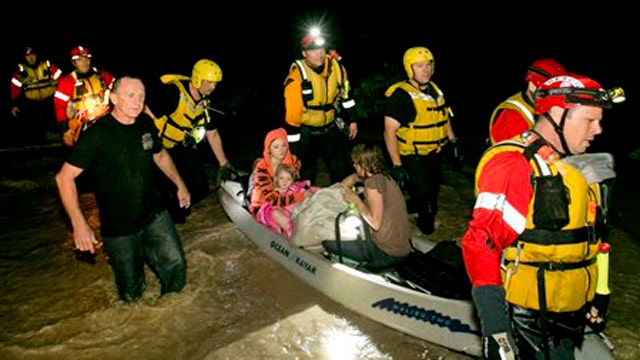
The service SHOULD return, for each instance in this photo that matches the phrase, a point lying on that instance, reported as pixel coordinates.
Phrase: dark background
(481, 50)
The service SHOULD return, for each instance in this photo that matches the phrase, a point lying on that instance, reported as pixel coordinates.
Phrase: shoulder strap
(303, 72)
(306, 86)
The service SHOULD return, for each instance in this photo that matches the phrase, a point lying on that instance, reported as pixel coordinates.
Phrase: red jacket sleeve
(107, 77)
(56, 72)
(63, 95)
(507, 124)
(503, 195)
(16, 90)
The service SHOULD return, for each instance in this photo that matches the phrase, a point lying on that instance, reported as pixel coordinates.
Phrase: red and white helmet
(313, 41)
(542, 70)
(79, 51)
(568, 91)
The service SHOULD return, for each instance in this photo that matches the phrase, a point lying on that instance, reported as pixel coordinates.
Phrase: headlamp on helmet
(415, 55)
(616, 95)
(313, 39)
(568, 91)
(80, 51)
(205, 69)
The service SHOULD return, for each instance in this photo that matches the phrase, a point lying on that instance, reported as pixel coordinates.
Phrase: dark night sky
(480, 59)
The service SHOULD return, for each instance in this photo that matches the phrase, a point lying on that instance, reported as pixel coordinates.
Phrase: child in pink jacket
(279, 218)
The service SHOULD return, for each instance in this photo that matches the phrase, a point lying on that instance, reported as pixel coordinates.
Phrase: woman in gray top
(383, 209)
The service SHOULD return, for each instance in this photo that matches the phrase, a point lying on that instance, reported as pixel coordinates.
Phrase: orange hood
(279, 133)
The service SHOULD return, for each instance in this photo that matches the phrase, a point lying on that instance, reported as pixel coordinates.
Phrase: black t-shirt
(119, 160)
(400, 106)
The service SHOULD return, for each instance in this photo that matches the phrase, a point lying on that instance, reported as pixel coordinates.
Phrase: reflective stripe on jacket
(36, 84)
(311, 97)
(560, 263)
(88, 93)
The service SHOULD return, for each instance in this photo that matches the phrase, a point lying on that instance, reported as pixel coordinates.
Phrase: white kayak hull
(447, 322)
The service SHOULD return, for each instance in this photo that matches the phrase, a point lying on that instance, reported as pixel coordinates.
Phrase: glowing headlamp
(313, 39)
(616, 95)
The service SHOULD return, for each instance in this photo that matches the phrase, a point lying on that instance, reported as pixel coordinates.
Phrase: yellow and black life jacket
(552, 265)
(188, 120)
(518, 103)
(90, 97)
(428, 132)
(39, 83)
(320, 92)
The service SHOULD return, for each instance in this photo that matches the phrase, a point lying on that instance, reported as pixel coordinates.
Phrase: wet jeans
(157, 245)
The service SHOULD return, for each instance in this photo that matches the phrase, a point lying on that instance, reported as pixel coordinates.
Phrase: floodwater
(238, 303)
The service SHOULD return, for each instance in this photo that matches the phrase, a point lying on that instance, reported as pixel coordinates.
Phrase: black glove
(228, 173)
(457, 158)
(597, 312)
(400, 175)
(497, 337)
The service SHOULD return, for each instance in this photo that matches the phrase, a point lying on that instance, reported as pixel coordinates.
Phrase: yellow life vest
(518, 103)
(188, 121)
(428, 132)
(561, 264)
(90, 97)
(320, 92)
(37, 84)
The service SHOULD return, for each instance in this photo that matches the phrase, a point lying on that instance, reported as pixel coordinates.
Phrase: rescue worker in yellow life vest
(417, 128)
(515, 114)
(184, 116)
(318, 110)
(532, 248)
(82, 96)
(32, 87)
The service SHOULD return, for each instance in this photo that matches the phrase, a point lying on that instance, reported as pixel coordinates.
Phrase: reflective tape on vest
(348, 104)
(293, 138)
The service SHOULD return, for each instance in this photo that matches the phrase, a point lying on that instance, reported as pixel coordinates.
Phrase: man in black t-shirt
(120, 152)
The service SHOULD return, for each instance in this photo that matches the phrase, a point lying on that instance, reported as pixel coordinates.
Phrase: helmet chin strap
(559, 130)
(197, 92)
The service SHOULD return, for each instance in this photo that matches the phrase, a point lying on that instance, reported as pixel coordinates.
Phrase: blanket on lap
(313, 220)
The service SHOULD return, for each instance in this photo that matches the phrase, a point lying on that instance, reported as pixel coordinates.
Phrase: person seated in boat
(383, 209)
(278, 218)
(263, 186)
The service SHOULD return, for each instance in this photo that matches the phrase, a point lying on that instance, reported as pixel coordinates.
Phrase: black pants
(328, 144)
(34, 120)
(425, 179)
(364, 251)
(565, 333)
(159, 246)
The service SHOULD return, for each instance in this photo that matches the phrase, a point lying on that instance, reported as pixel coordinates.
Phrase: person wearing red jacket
(82, 96)
(532, 246)
(32, 87)
(515, 114)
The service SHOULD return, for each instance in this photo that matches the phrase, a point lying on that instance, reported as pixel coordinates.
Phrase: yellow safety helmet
(205, 69)
(414, 55)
